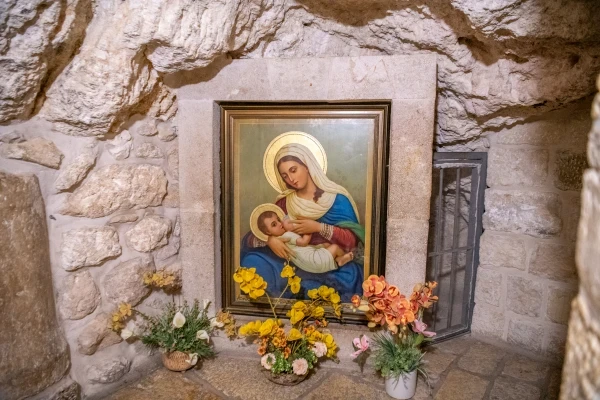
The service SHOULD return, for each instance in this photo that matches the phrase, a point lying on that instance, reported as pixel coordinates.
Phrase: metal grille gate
(454, 231)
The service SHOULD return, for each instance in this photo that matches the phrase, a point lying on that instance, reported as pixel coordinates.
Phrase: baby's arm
(304, 240)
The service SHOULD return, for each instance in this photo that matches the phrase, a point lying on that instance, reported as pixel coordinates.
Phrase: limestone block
(124, 283)
(120, 146)
(516, 166)
(108, 371)
(117, 187)
(379, 77)
(171, 200)
(123, 218)
(524, 296)
(559, 304)
(553, 261)
(79, 296)
(409, 182)
(556, 342)
(173, 162)
(34, 352)
(150, 233)
(97, 335)
(588, 241)
(148, 150)
(488, 321)
(502, 251)
(84, 247)
(529, 335)
(37, 150)
(169, 250)
(76, 171)
(488, 287)
(569, 169)
(13, 136)
(571, 213)
(166, 131)
(532, 213)
(146, 128)
(406, 252)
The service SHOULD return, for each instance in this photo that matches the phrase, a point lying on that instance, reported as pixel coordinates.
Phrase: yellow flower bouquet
(296, 351)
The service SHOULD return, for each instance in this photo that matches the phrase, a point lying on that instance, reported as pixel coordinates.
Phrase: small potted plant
(181, 332)
(289, 355)
(398, 350)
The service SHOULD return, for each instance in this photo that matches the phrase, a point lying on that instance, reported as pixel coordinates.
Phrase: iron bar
(454, 244)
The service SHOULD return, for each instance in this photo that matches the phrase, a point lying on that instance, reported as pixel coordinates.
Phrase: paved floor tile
(460, 385)
(510, 389)
(482, 359)
(526, 369)
(164, 385)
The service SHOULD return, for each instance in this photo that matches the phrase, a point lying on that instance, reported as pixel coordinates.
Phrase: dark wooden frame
(379, 110)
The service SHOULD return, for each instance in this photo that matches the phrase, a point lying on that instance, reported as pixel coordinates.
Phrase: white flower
(267, 360)
(126, 334)
(202, 335)
(216, 324)
(205, 303)
(193, 359)
(320, 349)
(300, 366)
(178, 320)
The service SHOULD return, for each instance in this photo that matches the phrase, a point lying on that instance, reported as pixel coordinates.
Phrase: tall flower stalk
(298, 350)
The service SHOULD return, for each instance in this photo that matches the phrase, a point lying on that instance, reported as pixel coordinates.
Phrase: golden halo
(308, 141)
(256, 213)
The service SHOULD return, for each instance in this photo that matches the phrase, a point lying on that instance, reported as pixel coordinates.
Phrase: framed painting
(303, 184)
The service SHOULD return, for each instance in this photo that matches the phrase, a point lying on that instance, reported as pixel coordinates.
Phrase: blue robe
(347, 280)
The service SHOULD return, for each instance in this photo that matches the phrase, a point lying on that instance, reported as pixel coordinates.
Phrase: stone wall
(112, 210)
(527, 277)
(581, 371)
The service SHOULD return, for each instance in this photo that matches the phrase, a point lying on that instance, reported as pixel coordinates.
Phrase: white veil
(297, 206)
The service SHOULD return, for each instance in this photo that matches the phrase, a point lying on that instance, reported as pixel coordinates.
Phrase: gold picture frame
(341, 150)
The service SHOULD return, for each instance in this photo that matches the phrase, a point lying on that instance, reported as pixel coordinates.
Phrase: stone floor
(462, 369)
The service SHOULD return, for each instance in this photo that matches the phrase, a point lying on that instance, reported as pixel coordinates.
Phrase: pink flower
(300, 366)
(361, 345)
(419, 327)
(268, 360)
(320, 349)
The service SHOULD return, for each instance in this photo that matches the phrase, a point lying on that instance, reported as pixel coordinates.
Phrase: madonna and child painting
(304, 192)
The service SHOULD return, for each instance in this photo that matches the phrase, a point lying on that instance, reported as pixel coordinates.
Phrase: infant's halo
(256, 213)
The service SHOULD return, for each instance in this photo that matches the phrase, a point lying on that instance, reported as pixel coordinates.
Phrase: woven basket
(284, 379)
(176, 361)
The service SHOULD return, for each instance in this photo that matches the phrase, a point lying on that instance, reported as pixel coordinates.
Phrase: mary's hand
(279, 247)
(305, 226)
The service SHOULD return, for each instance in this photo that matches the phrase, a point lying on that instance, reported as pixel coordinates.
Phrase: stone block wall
(581, 370)
(527, 276)
(112, 211)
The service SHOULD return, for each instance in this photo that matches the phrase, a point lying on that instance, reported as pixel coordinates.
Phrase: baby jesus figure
(316, 259)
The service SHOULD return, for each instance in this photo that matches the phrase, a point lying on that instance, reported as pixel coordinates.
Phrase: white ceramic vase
(403, 386)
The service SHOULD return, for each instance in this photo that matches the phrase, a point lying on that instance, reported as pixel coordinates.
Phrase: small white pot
(403, 386)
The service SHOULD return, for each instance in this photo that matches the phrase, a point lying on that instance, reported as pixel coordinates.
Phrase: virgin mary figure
(317, 206)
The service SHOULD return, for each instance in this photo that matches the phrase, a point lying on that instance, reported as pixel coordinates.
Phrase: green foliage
(160, 332)
(394, 357)
(303, 350)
